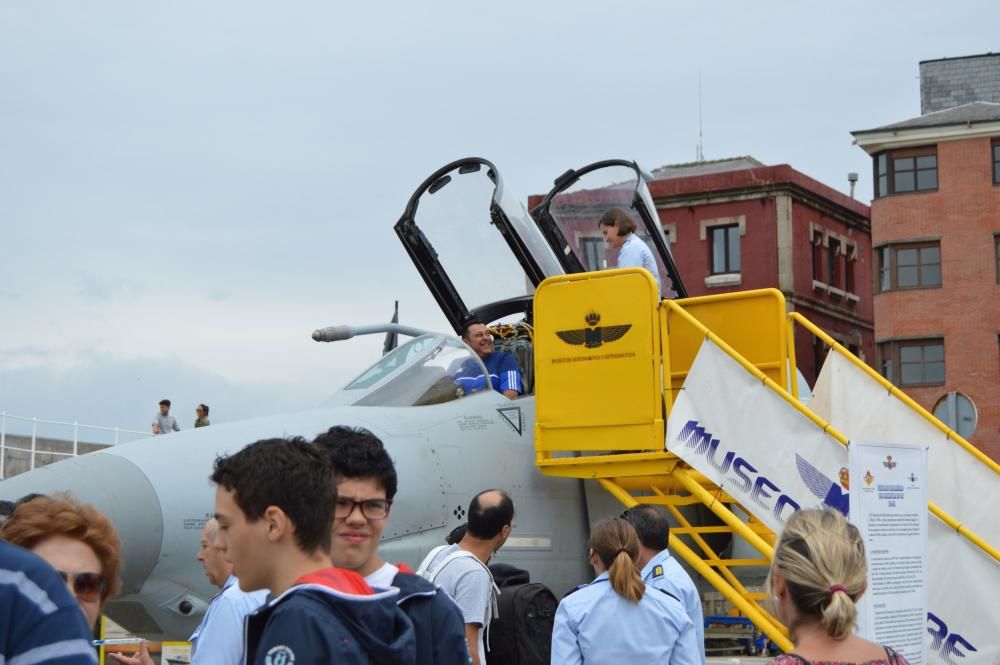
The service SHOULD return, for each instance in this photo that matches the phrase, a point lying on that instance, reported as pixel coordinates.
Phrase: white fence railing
(56, 431)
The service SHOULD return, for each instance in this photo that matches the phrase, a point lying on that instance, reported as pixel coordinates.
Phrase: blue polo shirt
(596, 625)
(502, 368)
(664, 572)
(40, 623)
(218, 640)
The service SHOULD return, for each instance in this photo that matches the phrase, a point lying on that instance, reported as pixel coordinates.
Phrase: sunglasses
(86, 586)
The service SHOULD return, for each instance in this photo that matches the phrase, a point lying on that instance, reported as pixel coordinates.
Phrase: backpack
(522, 633)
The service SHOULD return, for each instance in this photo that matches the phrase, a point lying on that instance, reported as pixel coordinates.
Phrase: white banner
(774, 460)
(753, 444)
(889, 507)
(962, 615)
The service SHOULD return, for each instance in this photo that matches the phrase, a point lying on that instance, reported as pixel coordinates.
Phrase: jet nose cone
(116, 487)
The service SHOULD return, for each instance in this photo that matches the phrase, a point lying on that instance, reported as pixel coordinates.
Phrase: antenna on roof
(701, 151)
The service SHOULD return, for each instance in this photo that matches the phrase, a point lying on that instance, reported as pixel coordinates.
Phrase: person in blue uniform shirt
(662, 571)
(505, 375)
(618, 229)
(618, 618)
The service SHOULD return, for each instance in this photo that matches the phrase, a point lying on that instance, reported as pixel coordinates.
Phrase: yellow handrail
(896, 392)
(776, 632)
(827, 427)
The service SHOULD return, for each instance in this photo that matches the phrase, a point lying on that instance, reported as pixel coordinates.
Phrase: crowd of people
(294, 551)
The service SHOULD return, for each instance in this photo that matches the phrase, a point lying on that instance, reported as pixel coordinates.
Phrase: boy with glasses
(274, 503)
(366, 484)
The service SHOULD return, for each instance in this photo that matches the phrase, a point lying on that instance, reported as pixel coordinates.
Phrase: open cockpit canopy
(450, 229)
(568, 217)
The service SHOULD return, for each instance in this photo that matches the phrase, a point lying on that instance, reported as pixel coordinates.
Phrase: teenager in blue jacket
(274, 504)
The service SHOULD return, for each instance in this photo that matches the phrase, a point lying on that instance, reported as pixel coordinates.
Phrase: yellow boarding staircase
(610, 358)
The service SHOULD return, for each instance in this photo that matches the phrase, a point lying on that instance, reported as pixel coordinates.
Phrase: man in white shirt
(618, 229)
(218, 640)
(461, 569)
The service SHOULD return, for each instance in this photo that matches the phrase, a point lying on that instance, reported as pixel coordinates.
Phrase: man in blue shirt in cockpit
(505, 375)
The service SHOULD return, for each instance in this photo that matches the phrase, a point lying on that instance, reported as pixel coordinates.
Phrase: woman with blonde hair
(77, 540)
(618, 615)
(817, 575)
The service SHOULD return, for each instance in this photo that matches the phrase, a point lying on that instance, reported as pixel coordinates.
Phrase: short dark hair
(468, 323)
(204, 407)
(357, 453)
(652, 524)
(620, 219)
(165, 402)
(486, 522)
(293, 475)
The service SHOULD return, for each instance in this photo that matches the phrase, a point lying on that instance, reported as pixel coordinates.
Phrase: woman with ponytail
(817, 574)
(618, 616)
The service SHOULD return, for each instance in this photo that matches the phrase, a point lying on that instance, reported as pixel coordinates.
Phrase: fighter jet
(448, 444)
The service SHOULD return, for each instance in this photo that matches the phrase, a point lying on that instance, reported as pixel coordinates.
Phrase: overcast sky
(188, 189)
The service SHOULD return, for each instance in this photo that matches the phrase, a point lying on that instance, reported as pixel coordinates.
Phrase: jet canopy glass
(569, 215)
(419, 373)
(474, 244)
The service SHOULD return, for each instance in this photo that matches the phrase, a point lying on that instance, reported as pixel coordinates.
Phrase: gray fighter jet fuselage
(447, 444)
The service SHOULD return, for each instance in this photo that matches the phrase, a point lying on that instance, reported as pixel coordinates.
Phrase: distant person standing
(164, 423)
(618, 229)
(201, 416)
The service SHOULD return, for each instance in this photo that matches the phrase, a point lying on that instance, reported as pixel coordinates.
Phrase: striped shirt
(40, 623)
(502, 368)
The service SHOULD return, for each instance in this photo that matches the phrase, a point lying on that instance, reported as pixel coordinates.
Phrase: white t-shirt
(470, 585)
(383, 577)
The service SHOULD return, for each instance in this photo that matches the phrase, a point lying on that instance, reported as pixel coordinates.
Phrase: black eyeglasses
(373, 509)
(86, 586)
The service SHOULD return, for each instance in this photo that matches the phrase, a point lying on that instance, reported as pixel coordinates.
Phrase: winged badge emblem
(822, 487)
(594, 335)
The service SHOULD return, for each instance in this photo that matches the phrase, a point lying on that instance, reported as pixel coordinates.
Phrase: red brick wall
(758, 261)
(965, 214)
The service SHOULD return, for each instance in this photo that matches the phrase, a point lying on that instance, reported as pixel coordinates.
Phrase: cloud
(104, 391)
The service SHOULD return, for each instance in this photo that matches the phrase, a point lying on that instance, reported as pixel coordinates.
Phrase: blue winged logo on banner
(825, 489)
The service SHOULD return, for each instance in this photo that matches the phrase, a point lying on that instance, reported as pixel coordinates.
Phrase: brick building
(736, 224)
(936, 236)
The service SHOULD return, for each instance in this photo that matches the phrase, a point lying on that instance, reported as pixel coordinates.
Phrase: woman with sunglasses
(75, 539)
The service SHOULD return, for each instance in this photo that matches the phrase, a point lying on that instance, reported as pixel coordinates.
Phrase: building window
(957, 412)
(918, 362)
(593, 252)
(833, 263)
(908, 266)
(817, 247)
(996, 162)
(725, 248)
(905, 171)
(996, 252)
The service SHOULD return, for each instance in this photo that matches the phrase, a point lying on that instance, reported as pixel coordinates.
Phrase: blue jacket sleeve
(510, 374)
(450, 647)
(565, 646)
